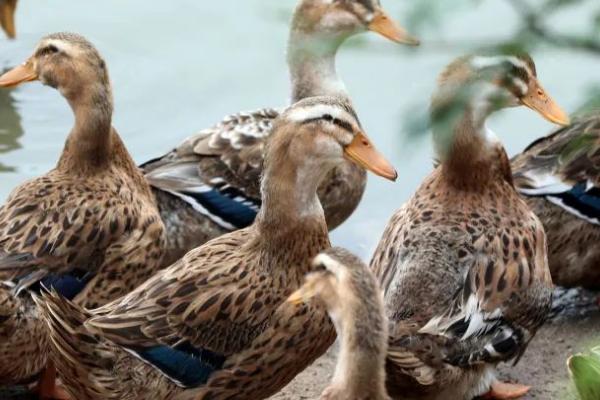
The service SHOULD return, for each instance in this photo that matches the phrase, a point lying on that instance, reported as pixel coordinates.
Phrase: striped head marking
(341, 280)
(63, 61)
(343, 18)
(494, 82)
(513, 72)
(329, 129)
(517, 74)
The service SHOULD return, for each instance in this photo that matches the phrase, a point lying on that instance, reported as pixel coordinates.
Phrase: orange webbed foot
(506, 391)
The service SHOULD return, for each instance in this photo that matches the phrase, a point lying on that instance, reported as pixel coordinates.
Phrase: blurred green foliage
(536, 23)
(536, 27)
(584, 370)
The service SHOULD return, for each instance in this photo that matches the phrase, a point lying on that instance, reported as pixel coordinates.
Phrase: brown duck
(559, 177)
(209, 184)
(88, 228)
(463, 263)
(215, 325)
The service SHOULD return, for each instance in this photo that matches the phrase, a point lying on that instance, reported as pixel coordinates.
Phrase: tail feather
(79, 356)
(411, 365)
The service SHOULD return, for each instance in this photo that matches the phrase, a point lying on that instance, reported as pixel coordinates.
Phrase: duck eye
(50, 49)
(320, 267)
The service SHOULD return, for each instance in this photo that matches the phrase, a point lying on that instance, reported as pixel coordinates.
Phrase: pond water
(180, 66)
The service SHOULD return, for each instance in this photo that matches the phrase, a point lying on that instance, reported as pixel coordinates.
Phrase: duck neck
(291, 216)
(360, 368)
(311, 61)
(89, 145)
(470, 155)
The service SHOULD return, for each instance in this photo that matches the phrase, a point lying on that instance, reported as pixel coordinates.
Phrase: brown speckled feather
(207, 285)
(212, 300)
(106, 224)
(22, 358)
(546, 173)
(231, 151)
(230, 155)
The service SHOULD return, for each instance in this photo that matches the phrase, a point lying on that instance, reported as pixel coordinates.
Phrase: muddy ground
(574, 327)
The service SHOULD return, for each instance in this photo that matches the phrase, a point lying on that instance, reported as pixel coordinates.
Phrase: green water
(179, 66)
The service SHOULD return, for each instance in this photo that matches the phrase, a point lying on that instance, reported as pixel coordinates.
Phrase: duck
(89, 228)
(350, 292)
(463, 262)
(559, 177)
(210, 183)
(215, 324)
(7, 17)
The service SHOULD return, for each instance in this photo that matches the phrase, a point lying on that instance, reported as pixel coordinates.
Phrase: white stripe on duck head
(308, 140)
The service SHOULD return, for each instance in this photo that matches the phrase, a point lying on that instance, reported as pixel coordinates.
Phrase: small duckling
(354, 302)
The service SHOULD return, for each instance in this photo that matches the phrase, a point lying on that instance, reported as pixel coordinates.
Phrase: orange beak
(300, 296)
(539, 101)
(18, 75)
(386, 27)
(7, 17)
(362, 152)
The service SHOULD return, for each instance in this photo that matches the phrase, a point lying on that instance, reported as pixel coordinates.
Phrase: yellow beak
(539, 101)
(22, 73)
(386, 27)
(302, 295)
(363, 153)
(7, 17)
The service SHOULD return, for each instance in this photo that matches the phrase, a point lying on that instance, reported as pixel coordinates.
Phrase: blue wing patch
(226, 205)
(67, 285)
(581, 201)
(183, 364)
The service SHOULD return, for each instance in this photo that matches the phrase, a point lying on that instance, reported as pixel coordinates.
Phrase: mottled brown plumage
(228, 157)
(94, 212)
(463, 263)
(24, 337)
(225, 299)
(354, 302)
(559, 177)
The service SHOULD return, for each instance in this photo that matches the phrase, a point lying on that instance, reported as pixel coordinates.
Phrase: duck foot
(47, 388)
(505, 391)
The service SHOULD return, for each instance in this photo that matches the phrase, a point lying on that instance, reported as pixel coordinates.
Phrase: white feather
(481, 62)
(544, 183)
(317, 111)
(559, 202)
